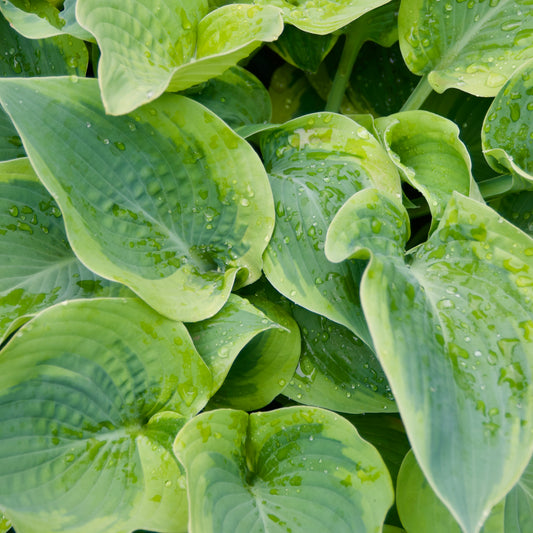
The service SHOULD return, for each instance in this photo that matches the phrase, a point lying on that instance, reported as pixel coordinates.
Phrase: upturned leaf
(169, 201)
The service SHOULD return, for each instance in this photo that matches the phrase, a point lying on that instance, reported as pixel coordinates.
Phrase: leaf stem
(354, 40)
(418, 96)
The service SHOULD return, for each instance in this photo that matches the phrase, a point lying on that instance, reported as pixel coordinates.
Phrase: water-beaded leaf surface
(92, 394)
(452, 327)
(38, 267)
(169, 201)
(299, 469)
(471, 45)
(507, 138)
(315, 163)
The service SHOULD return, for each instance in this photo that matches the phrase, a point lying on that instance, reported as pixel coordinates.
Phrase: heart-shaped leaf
(299, 469)
(315, 163)
(322, 16)
(452, 326)
(337, 370)
(38, 267)
(506, 135)
(472, 46)
(169, 201)
(92, 394)
(169, 45)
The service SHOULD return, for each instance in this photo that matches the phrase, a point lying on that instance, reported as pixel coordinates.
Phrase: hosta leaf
(169, 201)
(421, 510)
(506, 135)
(38, 267)
(219, 339)
(92, 394)
(299, 469)
(337, 370)
(315, 163)
(322, 16)
(10, 143)
(265, 365)
(473, 46)
(518, 512)
(236, 96)
(429, 155)
(5, 524)
(452, 326)
(169, 45)
(518, 209)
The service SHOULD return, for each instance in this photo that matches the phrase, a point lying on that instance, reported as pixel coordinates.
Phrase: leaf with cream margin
(315, 163)
(168, 201)
(322, 16)
(38, 267)
(299, 469)
(452, 326)
(430, 157)
(506, 135)
(169, 45)
(92, 395)
(472, 46)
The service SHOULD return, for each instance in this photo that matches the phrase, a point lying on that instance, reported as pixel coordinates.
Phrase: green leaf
(337, 370)
(506, 139)
(452, 326)
(518, 512)
(5, 524)
(10, 143)
(430, 157)
(150, 200)
(265, 365)
(472, 46)
(219, 339)
(518, 209)
(236, 96)
(39, 267)
(92, 394)
(299, 469)
(421, 510)
(169, 47)
(315, 163)
(322, 16)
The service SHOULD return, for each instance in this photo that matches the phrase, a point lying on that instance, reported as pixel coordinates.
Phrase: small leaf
(451, 324)
(169, 47)
(150, 200)
(39, 268)
(92, 394)
(506, 136)
(472, 46)
(322, 16)
(300, 468)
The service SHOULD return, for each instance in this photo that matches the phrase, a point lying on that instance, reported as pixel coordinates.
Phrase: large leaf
(169, 201)
(322, 16)
(472, 46)
(38, 267)
(507, 142)
(315, 163)
(170, 45)
(452, 326)
(337, 370)
(518, 209)
(299, 469)
(92, 394)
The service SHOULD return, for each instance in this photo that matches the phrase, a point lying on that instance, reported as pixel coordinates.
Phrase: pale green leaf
(299, 469)
(38, 267)
(472, 46)
(169, 45)
(92, 394)
(518, 511)
(452, 327)
(430, 156)
(236, 96)
(265, 365)
(337, 370)
(322, 16)
(169, 201)
(506, 136)
(315, 163)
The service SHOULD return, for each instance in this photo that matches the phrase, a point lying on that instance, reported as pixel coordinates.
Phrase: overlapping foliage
(264, 267)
